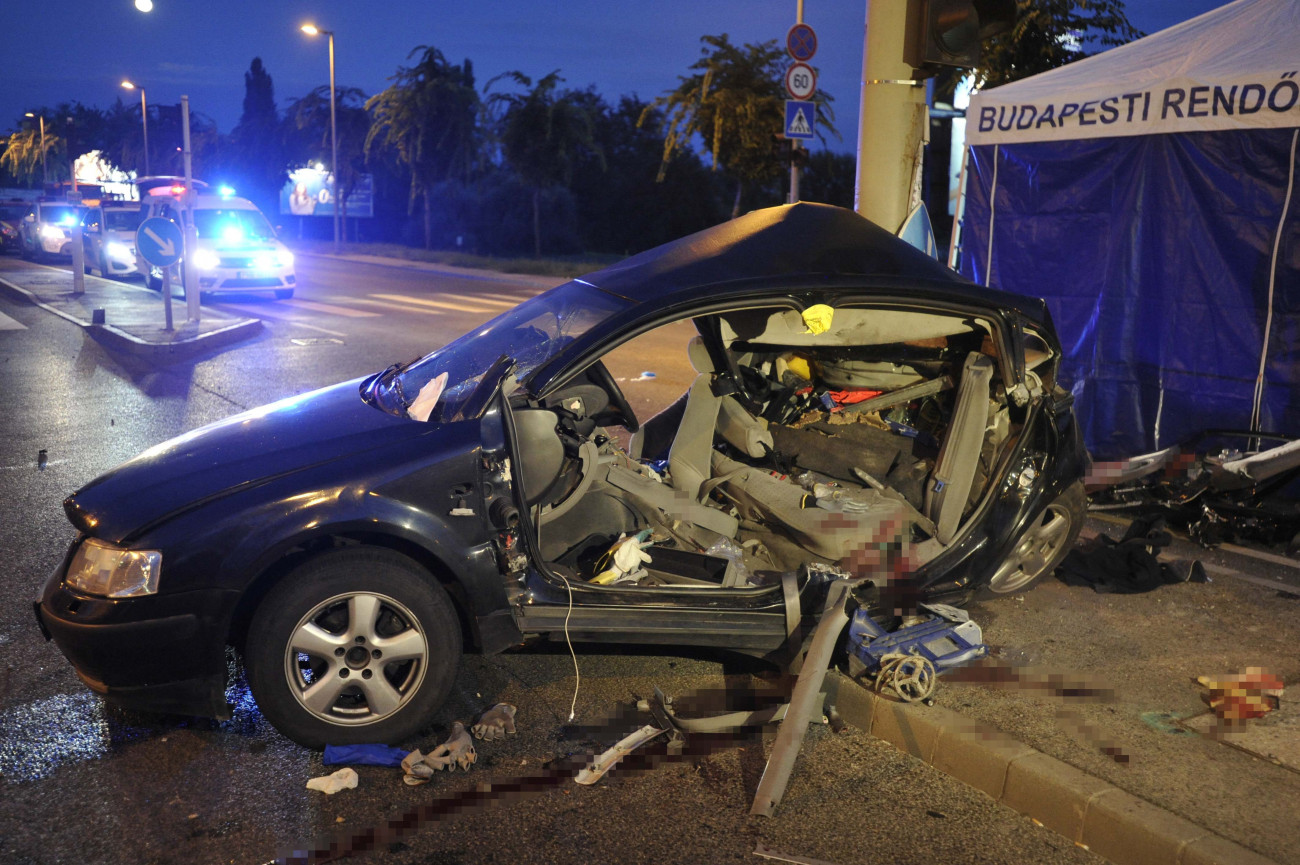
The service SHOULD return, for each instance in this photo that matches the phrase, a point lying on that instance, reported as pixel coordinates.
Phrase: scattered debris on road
(343, 779)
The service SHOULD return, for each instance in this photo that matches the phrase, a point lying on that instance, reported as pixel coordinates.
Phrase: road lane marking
(7, 323)
(398, 306)
(485, 300)
(317, 306)
(419, 301)
(296, 321)
(510, 297)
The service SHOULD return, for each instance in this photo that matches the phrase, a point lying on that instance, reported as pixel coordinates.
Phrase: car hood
(224, 457)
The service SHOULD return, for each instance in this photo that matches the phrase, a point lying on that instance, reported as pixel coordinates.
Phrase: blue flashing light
(232, 232)
(225, 191)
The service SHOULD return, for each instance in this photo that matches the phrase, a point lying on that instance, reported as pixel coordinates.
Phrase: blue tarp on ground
(1160, 221)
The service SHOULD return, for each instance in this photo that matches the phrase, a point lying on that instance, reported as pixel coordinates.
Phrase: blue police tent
(1149, 194)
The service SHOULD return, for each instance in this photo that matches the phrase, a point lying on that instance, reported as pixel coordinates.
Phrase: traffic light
(949, 32)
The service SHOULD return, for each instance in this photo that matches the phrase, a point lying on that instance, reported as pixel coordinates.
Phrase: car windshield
(60, 215)
(232, 225)
(122, 220)
(530, 334)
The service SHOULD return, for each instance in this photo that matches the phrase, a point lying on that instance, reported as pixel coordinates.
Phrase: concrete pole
(893, 118)
(189, 274)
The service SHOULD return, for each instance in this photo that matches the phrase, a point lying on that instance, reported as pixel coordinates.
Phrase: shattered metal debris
(42, 458)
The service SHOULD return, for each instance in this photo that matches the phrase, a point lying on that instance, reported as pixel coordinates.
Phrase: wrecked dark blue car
(857, 410)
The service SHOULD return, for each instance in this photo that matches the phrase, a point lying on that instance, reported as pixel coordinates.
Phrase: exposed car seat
(950, 484)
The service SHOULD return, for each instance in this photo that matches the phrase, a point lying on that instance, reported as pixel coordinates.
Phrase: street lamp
(144, 117)
(45, 174)
(313, 30)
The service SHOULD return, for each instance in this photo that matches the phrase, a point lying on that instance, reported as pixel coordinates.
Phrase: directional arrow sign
(159, 241)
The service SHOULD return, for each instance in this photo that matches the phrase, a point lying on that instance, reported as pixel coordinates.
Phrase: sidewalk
(1084, 735)
(124, 316)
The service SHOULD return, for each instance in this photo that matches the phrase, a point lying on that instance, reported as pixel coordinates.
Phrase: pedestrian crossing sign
(799, 119)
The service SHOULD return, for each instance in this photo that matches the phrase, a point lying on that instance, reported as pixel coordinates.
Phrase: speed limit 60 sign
(800, 81)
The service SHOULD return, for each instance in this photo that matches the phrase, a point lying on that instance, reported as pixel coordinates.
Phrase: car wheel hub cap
(355, 659)
(1034, 552)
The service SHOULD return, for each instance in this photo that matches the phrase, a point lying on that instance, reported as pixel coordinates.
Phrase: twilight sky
(79, 50)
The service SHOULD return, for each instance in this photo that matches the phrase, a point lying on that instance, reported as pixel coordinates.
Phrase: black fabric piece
(658, 432)
(835, 450)
(1130, 565)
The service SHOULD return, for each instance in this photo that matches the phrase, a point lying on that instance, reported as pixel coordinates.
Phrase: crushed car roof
(782, 244)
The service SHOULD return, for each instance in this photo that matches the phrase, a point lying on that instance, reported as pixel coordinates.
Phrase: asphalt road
(83, 783)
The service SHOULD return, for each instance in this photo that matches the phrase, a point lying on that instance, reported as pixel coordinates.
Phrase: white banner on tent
(1183, 105)
(1236, 67)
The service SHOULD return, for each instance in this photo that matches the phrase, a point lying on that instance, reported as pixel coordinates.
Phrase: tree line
(525, 164)
(519, 165)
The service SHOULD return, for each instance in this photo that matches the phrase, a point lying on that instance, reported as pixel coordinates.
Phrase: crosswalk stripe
(513, 298)
(317, 306)
(401, 307)
(7, 323)
(419, 301)
(481, 299)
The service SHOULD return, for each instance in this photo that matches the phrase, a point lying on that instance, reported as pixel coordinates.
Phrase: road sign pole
(794, 145)
(800, 83)
(189, 274)
(167, 297)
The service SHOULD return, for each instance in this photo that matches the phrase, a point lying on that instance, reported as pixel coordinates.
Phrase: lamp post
(45, 174)
(313, 30)
(144, 118)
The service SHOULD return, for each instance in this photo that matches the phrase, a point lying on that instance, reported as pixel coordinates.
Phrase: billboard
(309, 193)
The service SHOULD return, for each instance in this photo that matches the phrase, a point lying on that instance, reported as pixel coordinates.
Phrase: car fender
(244, 546)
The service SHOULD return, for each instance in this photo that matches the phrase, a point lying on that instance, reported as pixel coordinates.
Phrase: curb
(115, 338)
(1093, 813)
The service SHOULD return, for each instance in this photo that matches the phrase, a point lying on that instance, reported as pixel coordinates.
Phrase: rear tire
(356, 645)
(153, 282)
(1042, 546)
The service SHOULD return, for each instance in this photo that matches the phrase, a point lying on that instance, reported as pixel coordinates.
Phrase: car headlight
(264, 261)
(206, 259)
(103, 569)
(119, 251)
(284, 258)
(51, 232)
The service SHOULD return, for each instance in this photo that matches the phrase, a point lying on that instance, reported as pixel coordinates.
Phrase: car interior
(822, 436)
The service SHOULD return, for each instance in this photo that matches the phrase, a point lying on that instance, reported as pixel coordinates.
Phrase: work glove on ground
(458, 750)
(495, 722)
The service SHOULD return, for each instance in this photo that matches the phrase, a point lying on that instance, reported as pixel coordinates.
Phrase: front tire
(1042, 546)
(354, 646)
(283, 293)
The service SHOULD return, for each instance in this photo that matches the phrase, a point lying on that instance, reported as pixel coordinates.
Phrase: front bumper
(226, 279)
(163, 653)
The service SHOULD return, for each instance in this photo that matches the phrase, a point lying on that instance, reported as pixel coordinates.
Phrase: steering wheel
(599, 376)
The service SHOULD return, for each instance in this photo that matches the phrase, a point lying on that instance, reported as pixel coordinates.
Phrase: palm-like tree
(428, 118)
(735, 101)
(543, 132)
(22, 155)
